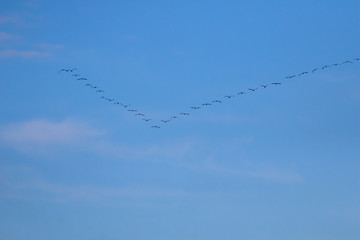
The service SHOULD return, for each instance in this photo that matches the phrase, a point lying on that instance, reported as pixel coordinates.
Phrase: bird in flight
(75, 75)
(195, 107)
(88, 85)
(253, 89)
(347, 62)
(241, 93)
(165, 121)
(132, 110)
(264, 86)
(218, 101)
(117, 103)
(315, 69)
(185, 114)
(139, 114)
(302, 73)
(146, 119)
(103, 97)
(173, 117)
(99, 90)
(291, 76)
(206, 104)
(67, 70)
(81, 79)
(125, 106)
(276, 83)
(325, 67)
(229, 96)
(155, 127)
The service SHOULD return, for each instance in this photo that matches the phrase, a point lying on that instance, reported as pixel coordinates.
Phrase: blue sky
(278, 163)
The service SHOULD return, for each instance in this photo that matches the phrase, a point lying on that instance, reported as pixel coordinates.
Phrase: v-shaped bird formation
(156, 123)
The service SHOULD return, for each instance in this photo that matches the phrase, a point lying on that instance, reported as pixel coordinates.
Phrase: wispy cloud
(31, 137)
(39, 189)
(23, 54)
(6, 37)
(272, 174)
(14, 19)
(152, 152)
(45, 137)
(50, 47)
(35, 134)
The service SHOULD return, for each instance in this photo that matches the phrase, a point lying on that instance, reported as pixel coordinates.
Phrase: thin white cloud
(43, 190)
(50, 47)
(14, 19)
(272, 174)
(35, 134)
(11, 53)
(275, 175)
(153, 152)
(7, 37)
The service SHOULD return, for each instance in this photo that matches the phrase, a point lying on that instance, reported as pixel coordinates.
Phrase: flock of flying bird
(144, 118)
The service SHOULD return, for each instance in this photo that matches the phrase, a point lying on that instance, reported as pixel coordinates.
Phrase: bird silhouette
(315, 69)
(229, 96)
(302, 73)
(103, 97)
(76, 74)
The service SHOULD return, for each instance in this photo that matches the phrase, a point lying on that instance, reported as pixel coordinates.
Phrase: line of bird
(153, 124)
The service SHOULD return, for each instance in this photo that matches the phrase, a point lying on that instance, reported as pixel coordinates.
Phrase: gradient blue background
(281, 163)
